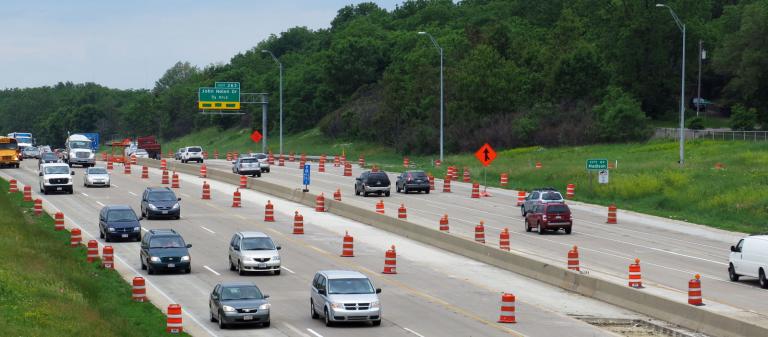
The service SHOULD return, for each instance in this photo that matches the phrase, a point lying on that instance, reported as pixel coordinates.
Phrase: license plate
(247, 318)
(261, 265)
(171, 265)
(165, 212)
(125, 235)
(558, 217)
(58, 188)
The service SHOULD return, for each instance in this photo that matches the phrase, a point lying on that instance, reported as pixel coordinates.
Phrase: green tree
(743, 118)
(619, 118)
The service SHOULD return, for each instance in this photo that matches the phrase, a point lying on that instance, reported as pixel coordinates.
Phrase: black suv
(119, 222)
(160, 202)
(164, 250)
(372, 182)
(412, 181)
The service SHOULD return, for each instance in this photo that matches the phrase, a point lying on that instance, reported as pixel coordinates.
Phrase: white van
(749, 257)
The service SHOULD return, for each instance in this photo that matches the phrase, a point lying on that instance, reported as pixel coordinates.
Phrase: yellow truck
(9, 152)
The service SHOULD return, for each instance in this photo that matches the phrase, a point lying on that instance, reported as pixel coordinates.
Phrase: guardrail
(674, 133)
(662, 308)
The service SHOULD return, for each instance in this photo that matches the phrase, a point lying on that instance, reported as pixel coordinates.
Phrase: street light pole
(280, 65)
(698, 90)
(442, 100)
(681, 26)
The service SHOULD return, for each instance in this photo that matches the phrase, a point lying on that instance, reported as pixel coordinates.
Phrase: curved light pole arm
(280, 65)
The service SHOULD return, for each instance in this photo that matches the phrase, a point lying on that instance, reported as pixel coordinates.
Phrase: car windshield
(557, 209)
(257, 244)
(350, 286)
(551, 196)
(121, 215)
(50, 156)
(24, 139)
(97, 170)
(261, 156)
(194, 149)
(141, 151)
(9, 146)
(78, 144)
(166, 242)
(30, 149)
(378, 176)
(241, 293)
(57, 170)
(161, 196)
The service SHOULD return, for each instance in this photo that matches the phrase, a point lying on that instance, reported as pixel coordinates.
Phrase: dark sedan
(48, 157)
(160, 202)
(412, 181)
(238, 303)
(119, 222)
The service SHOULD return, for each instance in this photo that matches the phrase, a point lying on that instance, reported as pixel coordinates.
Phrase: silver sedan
(96, 176)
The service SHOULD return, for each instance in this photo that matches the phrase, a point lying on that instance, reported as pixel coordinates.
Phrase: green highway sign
(225, 96)
(597, 164)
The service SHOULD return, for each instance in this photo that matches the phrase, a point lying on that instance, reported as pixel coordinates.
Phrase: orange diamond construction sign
(485, 154)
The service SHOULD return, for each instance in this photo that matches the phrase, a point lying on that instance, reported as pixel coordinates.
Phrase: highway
(434, 293)
(671, 252)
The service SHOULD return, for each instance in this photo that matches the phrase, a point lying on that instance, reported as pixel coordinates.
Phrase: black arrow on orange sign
(486, 152)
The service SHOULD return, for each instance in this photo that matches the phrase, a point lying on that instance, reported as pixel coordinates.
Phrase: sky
(128, 44)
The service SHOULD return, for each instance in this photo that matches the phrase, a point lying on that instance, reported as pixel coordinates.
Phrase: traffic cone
(348, 170)
(480, 232)
(38, 207)
(444, 223)
(236, 198)
(431, 182)
(573, 259)
(611, 214)
(538, 165)
(298, 223)
(203, 171)
(107, 257)
(163, 164)
(269, 212)
(321, 165)
(635, 278)
(570, 191)
(380, 207)
(175, 180)
(504, 240)
(27, 193)
(13, 187)
(406, 162)
(144, 172)
(447, 184)
(390, 261)
(347, 246)
(337, 195)
(504, 179)
(467, 176)
(694, 291)
(520, 198)
(243, 182)
(475, 191)
(110, 166)
(507, 308)
(127, 168)
(281, 161)
(320, 203)
(164, 180)
(206, 191)
(173, 322)
(361, 161)
(402, 213)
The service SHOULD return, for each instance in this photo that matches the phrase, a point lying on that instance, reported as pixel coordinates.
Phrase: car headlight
(374, 304)
(136, 229)
(185, 258)
(265, 306)
(337, 305)
(176, 205)
(227, 308)
(152, 207)
(111, 229)
(276, 258)
(90, 155)
(154, 259)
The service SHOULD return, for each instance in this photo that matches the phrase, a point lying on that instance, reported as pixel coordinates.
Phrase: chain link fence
(714, 134)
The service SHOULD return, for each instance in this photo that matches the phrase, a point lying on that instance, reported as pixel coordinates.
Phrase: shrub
(743, 118)
(619, 117)
(695, 123)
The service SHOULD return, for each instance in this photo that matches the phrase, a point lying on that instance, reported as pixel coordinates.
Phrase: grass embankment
(647, 179)
(48, 289)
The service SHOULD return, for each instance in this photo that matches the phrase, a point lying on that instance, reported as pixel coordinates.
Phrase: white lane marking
(144, 229)
(184, 195)
(288, 270)
(83, 194)
(211, 270)
(100, 204)
(133, 194)
(115, 186)
(297, 331)
(212, 232)
(314, 333)
(413, 332)
(657, 249)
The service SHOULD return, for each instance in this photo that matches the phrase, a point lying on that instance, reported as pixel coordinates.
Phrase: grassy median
(48, 289)
(647, 179)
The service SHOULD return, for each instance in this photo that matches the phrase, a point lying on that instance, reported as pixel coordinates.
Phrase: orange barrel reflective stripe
(107, 257)
(444, 223)
(504, 240)
(320, 203)
(58, 222)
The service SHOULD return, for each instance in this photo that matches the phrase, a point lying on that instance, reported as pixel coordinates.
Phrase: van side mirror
(236, 248)
(72, 173)
(266, 296)
(214, 296)
(141, 217)
(278, 247)
(733, 249)
(321, 291)
(40, 174)
(378, 290)
(178, 199)
(189, 245)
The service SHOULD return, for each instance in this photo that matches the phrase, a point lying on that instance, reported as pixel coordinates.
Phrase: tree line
(517, 72)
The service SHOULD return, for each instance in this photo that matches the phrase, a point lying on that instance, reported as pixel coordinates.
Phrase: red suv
(548, 216)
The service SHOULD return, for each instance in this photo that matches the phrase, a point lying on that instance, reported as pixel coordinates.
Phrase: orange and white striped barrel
(573, 259)
(538, 165)
(361, 162)
(320, 203)
(438, 163)
(229, 156)
(38, 207)
(611, 214)
(281, 161)
(243, 182)
(406, 162)
(107, 257)
(291, 157)
(402, 213)
(337, 195)
(13, 187)
(694, 291)
(144, 172)
(570, 191)
(205, 155)
(301, 164)
(447, 184)
(138, 289)
(444, 223)
(390, 261)
(504, 240)
(504, 179)
(163, 164)
(520, 198)
(507, 308)
(343, 159)
(236, 198)
(134, 161)
(27, 193)
(321, 165)
(451, 172)
(93, 251)
(164, 180)
(235, 155)
(298, 223)
(467, 177)
(174, 323)
(348, 245)
(380, 207)
(103, 156)
(270, 158)
(475, 191)
(336, 161)
(75, 237)
(58, 221)
(348, 169)
(203, 171)
(170, 154)
(110, 166)
(206, 191)
(215, 154)
(431, 179)
(175, 180)
(127, 168)
(635, 278)
(480, 232)
(269, 212)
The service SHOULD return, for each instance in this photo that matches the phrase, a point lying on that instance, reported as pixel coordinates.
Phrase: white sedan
(96, 176)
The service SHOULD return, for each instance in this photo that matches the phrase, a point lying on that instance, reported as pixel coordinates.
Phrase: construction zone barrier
(110, 166)
(475, 191)
(243, 182)
(406, 162)
(570, 191)
(431, 182)
(93, 251)
(504, 239)
(175, 180)
(347, 169)
(58, 221)
(348, 245)
(504, 179)
(12, 186)
(380, 207)
(38, 207)
(390, 261)
(206, 191)
(281, 160)
(467, 177)
(538, 165)
(236, 198)
(694, 291)
(573, 259)
(611, 214)
(127, 168)
(507, 308)
(164, 178)
(144, 172)
(337, 195)
(320, 203)
(361, 161)
(520, 198)
(27, 193)
(138, 289)
(447, 184)
(298, 223)
(163, 165)
(203, 171)
(75, 237)
(402, 213)
(635, 278)
(269, 212)
(173, 322)
(480, 232)
(107, 257)
(444, 223)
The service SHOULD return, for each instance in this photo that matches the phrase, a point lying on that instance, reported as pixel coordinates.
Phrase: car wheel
(213, 319)
(732, 273)
(240, 270)
(231, 265)
(426, 191)
(258, 174)
(328, 321)
(106, 238)
(266, 325)
(397, 189)
(365, 194)
(568, 230)
(188, 270)
(277, 272)
(522, 210)
(150, 270)
(376, 323)
(101, 234)
(356, 191)
(222, 325)
(527, 226)
(312, 312)
(761, 278)
(541, 230)
(143, 266)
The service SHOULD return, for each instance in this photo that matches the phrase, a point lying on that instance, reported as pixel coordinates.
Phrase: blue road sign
(306, 174)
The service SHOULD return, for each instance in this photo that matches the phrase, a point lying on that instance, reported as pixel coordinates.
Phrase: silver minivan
(344, 296)
(253, 252)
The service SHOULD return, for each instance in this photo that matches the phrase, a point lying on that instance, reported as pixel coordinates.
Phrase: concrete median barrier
(691, 317)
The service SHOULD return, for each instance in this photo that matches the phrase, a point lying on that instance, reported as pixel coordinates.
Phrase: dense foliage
(517, 72)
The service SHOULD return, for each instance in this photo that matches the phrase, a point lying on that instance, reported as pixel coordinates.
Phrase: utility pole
(681, 26)
(702, 55)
